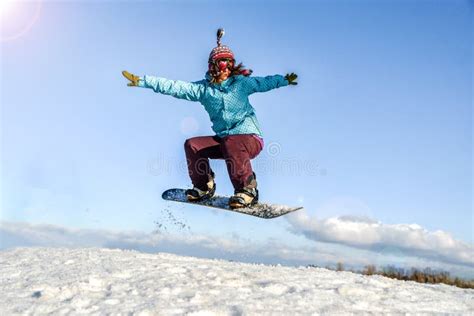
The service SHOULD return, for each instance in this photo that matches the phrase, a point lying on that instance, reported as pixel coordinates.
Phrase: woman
(224, 94)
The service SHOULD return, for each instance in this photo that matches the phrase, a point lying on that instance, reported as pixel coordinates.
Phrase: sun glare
(5, 7)
(17, 18)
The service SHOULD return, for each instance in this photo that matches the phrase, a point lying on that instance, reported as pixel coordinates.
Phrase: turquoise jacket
(227, 103)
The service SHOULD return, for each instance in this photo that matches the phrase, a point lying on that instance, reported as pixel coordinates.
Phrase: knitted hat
(220, 51)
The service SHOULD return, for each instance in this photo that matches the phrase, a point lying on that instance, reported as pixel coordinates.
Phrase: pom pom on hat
(220, 33)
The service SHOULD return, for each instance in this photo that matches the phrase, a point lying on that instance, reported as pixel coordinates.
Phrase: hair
(234, 71)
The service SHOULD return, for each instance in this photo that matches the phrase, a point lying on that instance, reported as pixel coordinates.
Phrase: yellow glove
(291, 78)
(133, 79)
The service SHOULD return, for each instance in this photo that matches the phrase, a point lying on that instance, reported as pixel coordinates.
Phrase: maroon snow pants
(237, 150)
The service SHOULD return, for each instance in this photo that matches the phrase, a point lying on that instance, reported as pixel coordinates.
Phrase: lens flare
(5, 7)
(17, 18)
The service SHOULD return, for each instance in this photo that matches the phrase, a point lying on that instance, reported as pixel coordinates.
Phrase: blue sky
(379, 127)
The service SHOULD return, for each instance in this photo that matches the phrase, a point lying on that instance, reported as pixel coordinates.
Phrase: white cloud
(368, 234)
(24, 234)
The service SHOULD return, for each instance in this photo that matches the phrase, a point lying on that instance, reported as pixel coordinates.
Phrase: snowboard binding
(247, 196)
(195, 194)
(244, 198)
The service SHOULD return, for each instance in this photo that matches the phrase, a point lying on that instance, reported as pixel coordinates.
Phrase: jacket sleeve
(264, 84)
(191, 91)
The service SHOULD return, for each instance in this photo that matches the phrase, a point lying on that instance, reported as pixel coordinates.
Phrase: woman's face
(224, 74)
(224, 65)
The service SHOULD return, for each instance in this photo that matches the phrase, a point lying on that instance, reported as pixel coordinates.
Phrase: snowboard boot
(195, 194)
(247, 196)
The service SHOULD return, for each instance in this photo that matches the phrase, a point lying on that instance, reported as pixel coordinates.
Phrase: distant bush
(426, 275)
(340, 266)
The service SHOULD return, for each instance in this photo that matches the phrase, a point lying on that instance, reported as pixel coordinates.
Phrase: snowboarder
(224, 94)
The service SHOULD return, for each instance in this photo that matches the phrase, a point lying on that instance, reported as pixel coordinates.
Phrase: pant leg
(237, 151)
(198, 151)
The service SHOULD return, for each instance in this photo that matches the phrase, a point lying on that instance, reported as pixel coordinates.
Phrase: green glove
(133, 79)
(291, 78)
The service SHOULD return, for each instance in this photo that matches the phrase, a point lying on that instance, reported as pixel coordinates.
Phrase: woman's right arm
(191, 91)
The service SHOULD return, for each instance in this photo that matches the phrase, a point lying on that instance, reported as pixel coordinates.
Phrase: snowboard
(262, 210)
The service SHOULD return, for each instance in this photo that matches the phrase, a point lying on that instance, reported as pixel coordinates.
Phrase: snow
(109, 281)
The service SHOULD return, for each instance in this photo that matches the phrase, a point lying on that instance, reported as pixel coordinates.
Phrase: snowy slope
(100, 281)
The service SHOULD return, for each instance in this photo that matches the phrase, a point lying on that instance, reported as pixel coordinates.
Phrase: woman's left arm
(264, 84)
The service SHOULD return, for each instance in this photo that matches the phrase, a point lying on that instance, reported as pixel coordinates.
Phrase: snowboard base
(262, 210)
